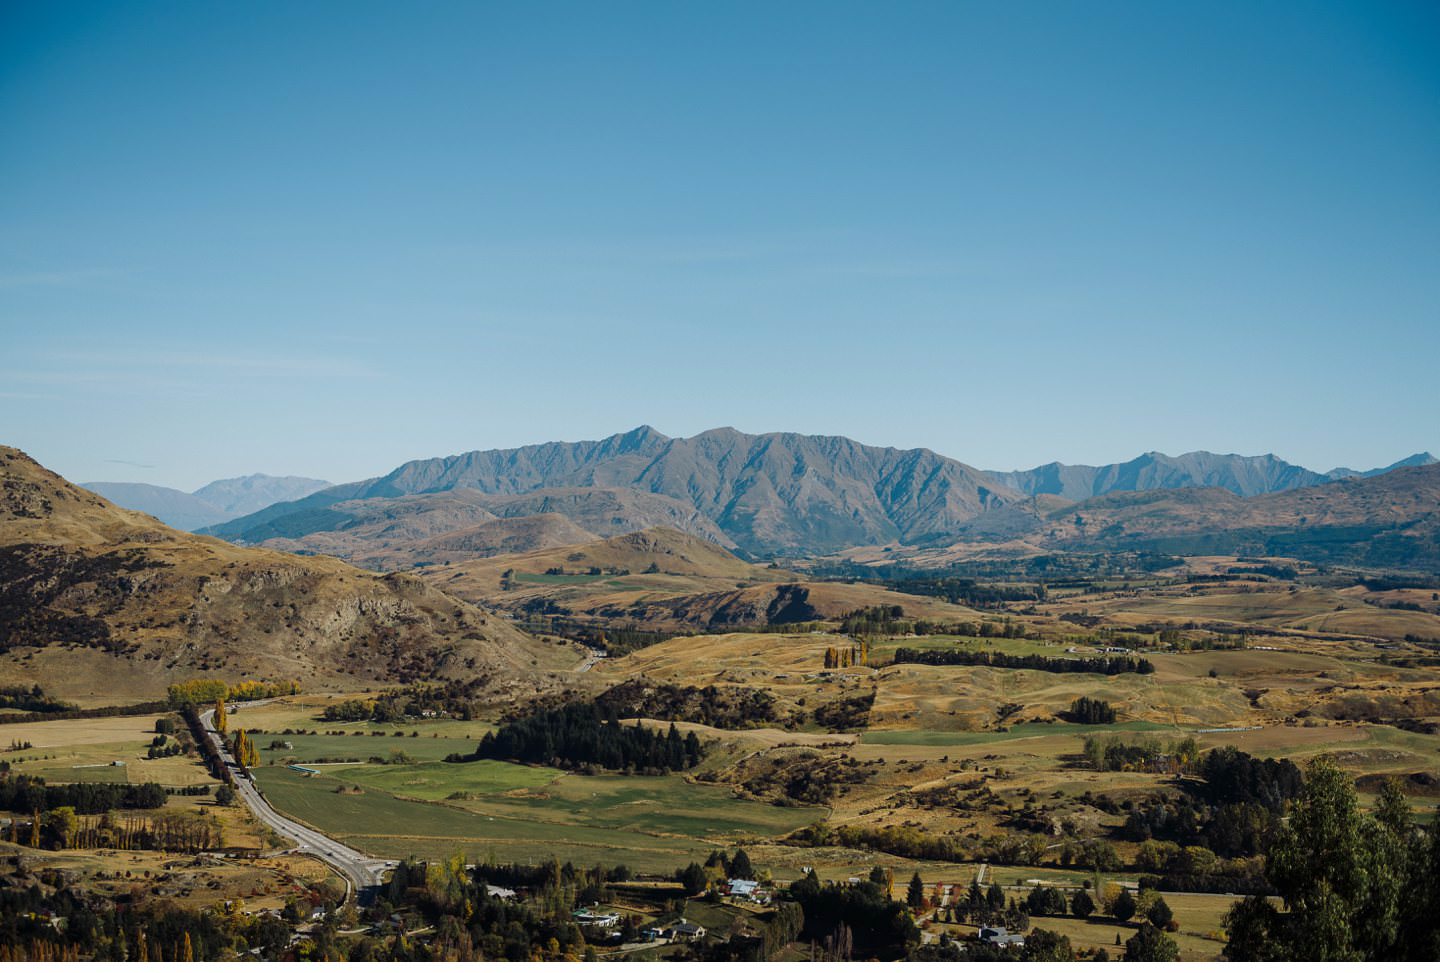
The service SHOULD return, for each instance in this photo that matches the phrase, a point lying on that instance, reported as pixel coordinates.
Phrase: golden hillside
(103, 604)
(663, 579)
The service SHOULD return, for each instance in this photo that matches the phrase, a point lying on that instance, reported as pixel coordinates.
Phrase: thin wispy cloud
(129, 462)
(58, 278)
(128, 365)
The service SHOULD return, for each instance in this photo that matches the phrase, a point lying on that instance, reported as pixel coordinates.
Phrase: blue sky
(325, 238)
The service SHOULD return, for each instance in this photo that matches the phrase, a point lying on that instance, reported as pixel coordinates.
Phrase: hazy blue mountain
(1245, 476)
(1417, 459)
(212, 503)
(176, 508)
(243, 495)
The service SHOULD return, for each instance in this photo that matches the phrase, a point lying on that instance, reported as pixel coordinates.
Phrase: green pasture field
(437, 781)
(654, 805)
(320, 746)
(651, 823)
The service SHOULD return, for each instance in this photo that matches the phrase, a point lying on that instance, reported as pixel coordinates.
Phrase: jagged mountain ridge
(777, 493)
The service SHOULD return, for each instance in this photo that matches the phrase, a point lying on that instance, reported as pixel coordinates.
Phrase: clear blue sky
(324, 238)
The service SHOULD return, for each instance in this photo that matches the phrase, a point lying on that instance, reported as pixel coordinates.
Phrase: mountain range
(1390, 519)
(1245, 476)
(777, 494)
(212, 503)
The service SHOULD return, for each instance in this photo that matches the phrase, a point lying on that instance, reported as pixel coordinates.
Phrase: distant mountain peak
(213, 503)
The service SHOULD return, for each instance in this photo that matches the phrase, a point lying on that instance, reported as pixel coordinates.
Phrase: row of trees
(1114, 665)
(28, 794)
(843, 657)
(209, 752)
(201, 691)
(171, 830)
(244, 749)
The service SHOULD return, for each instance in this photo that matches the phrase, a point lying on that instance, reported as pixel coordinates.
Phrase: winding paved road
(357, 868)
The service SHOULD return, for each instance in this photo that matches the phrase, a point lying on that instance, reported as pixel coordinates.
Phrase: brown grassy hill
(661, 579)
(381, 548)
(394, 533)
(99, 603)
(607, 511)
(667, 550)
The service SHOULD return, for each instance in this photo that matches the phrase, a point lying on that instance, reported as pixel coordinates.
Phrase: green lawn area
(656, 805)
(654, 824)
(957, 738)
(437, 781)
(63, 773)
(363, 747)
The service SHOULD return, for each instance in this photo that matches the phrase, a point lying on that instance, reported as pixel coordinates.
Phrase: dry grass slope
(103, 604)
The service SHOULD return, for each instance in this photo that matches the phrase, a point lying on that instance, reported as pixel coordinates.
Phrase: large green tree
(1350, 881)
(1150, 945)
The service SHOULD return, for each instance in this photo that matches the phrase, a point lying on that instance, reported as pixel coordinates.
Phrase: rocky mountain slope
(98, 603)
(765, 494)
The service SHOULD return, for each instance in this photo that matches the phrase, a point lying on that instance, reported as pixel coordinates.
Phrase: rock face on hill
(778, 493)
(99, 603)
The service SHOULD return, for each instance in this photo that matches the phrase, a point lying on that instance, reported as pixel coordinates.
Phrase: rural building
(599, 920)
(1000, 936)
(742, 888)
(686, 931)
